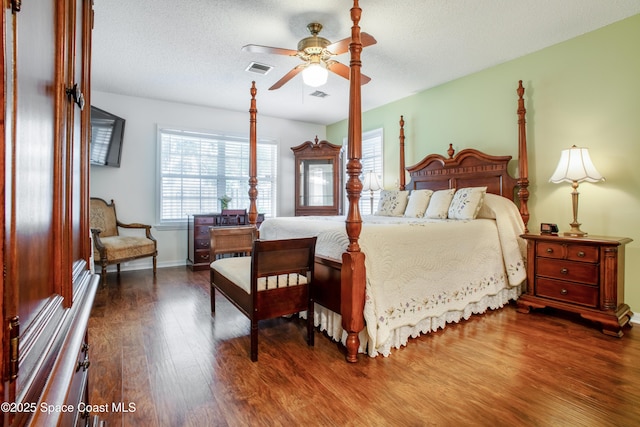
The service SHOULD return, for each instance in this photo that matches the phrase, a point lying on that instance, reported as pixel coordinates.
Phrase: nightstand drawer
(567, 270)
(550, 250)
(581, 253)
(568, 292)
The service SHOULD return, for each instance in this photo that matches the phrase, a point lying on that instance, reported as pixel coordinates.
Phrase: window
(197, 169)
(371, 161)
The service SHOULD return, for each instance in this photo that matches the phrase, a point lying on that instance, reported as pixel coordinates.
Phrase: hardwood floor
(156, 350)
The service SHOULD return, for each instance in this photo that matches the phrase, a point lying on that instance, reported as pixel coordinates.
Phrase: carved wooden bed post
(523, 168)
(402, 171)
(253, 150)
(353, 270)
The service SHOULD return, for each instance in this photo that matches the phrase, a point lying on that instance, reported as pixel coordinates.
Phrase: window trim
(179, 130)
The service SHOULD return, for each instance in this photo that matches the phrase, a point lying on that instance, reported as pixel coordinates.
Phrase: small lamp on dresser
(371, 184)
(575, 166)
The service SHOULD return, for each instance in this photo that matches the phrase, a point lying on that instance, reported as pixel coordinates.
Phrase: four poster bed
(382, 279)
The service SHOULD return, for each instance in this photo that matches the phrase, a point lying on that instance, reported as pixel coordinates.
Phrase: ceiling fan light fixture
(315, 75)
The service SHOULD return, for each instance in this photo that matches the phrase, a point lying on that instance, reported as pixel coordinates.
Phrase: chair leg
(254, 340)
(104, 274)
(154, 265)
(213, 299)
(118, 268)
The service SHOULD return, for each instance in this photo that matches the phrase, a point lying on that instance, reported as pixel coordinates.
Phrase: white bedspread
(421, 273)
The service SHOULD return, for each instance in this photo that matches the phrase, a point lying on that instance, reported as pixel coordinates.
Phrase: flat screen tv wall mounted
(107, 132)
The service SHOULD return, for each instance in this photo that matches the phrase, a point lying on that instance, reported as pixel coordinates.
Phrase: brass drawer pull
(549, 250)
(563, 291)
(564, 271)
(581, 254)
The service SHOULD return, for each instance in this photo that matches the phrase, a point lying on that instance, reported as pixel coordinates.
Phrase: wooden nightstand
(583, 275)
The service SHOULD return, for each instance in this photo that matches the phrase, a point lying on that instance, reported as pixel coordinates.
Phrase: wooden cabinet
(318, 188)
(198, 241)
(584, 275)
(47, 286)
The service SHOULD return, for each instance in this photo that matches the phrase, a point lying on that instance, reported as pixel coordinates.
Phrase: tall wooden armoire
(47, 286)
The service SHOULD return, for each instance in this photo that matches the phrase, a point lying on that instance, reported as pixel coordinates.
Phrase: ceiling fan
(316, 52)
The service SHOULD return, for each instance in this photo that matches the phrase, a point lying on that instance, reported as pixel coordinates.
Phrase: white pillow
(392, 202)
(466, 202)
(494, 204)
(439, 203)
(418, 202)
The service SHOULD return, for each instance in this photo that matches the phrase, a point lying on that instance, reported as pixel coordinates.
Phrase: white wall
(133, 185)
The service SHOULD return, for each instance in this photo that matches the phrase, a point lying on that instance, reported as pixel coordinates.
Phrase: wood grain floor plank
(155, 343)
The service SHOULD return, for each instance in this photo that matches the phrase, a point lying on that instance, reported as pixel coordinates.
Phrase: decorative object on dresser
(575, 166)
(232, 217)
(317, 182)
(583, 275)
(198, 238)
(371, 184)
(110, 246)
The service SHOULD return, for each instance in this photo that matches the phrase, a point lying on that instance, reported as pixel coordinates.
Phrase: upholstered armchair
(112, 248)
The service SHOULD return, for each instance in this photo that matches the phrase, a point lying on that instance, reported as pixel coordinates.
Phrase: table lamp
(371, 184)
(575, 166)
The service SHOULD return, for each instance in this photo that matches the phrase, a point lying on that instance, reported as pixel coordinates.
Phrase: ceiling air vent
(319, 94)
(256, 67)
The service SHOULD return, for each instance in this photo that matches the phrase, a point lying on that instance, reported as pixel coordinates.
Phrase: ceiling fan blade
(344, 71)
(342, 46)
(291, 74)
(255, 48)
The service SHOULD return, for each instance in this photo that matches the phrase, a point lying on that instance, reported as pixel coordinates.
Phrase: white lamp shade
(315, 75)
(371, 182)
(575, 165)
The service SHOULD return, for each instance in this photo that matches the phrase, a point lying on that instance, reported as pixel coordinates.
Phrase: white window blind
(101, 130)
(197, 169)
(371, 161)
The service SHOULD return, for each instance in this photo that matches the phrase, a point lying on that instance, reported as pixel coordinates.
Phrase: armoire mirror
(318, 189)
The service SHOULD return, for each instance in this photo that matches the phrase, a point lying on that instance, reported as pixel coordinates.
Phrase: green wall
(585, 91)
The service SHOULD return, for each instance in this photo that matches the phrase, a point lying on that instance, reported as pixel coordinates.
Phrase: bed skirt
(331, 322)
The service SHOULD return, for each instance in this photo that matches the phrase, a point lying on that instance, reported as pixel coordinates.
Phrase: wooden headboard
(468, 168)
(473, 168)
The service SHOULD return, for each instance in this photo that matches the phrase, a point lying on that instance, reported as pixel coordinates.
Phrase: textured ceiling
(189, 51)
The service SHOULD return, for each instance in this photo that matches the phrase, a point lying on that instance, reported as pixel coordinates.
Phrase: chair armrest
(146, 227)
(96, 239)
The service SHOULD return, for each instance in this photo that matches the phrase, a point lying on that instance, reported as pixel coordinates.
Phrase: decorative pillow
(492, 205)
(466, 202)
(392, 202)
(418, 202)
(439, 203)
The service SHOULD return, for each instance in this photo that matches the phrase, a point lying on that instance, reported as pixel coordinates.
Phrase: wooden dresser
(198, 237)
(584, 275)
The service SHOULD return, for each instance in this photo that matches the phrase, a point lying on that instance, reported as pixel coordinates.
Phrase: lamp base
(573, 234)
(575, 231)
